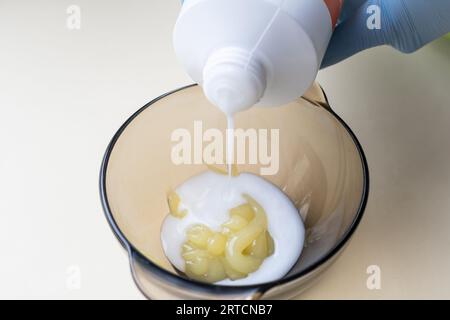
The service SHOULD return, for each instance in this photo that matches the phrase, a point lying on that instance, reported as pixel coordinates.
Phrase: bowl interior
(321, 169)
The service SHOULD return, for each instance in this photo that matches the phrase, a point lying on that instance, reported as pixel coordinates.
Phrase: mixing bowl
(322, 168)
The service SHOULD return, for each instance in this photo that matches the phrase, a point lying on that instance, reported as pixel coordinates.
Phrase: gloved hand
(406, 25)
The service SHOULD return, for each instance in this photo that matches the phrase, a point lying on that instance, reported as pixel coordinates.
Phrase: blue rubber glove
(406, 25)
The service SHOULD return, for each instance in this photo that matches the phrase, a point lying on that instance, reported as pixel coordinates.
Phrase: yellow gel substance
(233, 253)
(173, 200)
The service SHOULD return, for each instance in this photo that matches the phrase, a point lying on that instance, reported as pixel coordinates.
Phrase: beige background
(64, 93)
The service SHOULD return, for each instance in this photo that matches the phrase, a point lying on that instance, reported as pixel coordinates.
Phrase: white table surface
(64, 93)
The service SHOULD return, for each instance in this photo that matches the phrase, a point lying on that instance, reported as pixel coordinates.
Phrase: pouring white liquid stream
(230, 143)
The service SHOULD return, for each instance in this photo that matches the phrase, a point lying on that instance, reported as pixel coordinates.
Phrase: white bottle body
(246, 52)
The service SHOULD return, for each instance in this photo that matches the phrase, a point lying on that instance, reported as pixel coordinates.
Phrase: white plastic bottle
(254, 52)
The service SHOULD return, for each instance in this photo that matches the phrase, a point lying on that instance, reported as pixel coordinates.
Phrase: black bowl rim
(214, 288)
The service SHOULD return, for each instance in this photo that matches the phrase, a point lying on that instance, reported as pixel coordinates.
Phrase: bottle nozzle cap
(233, 80)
